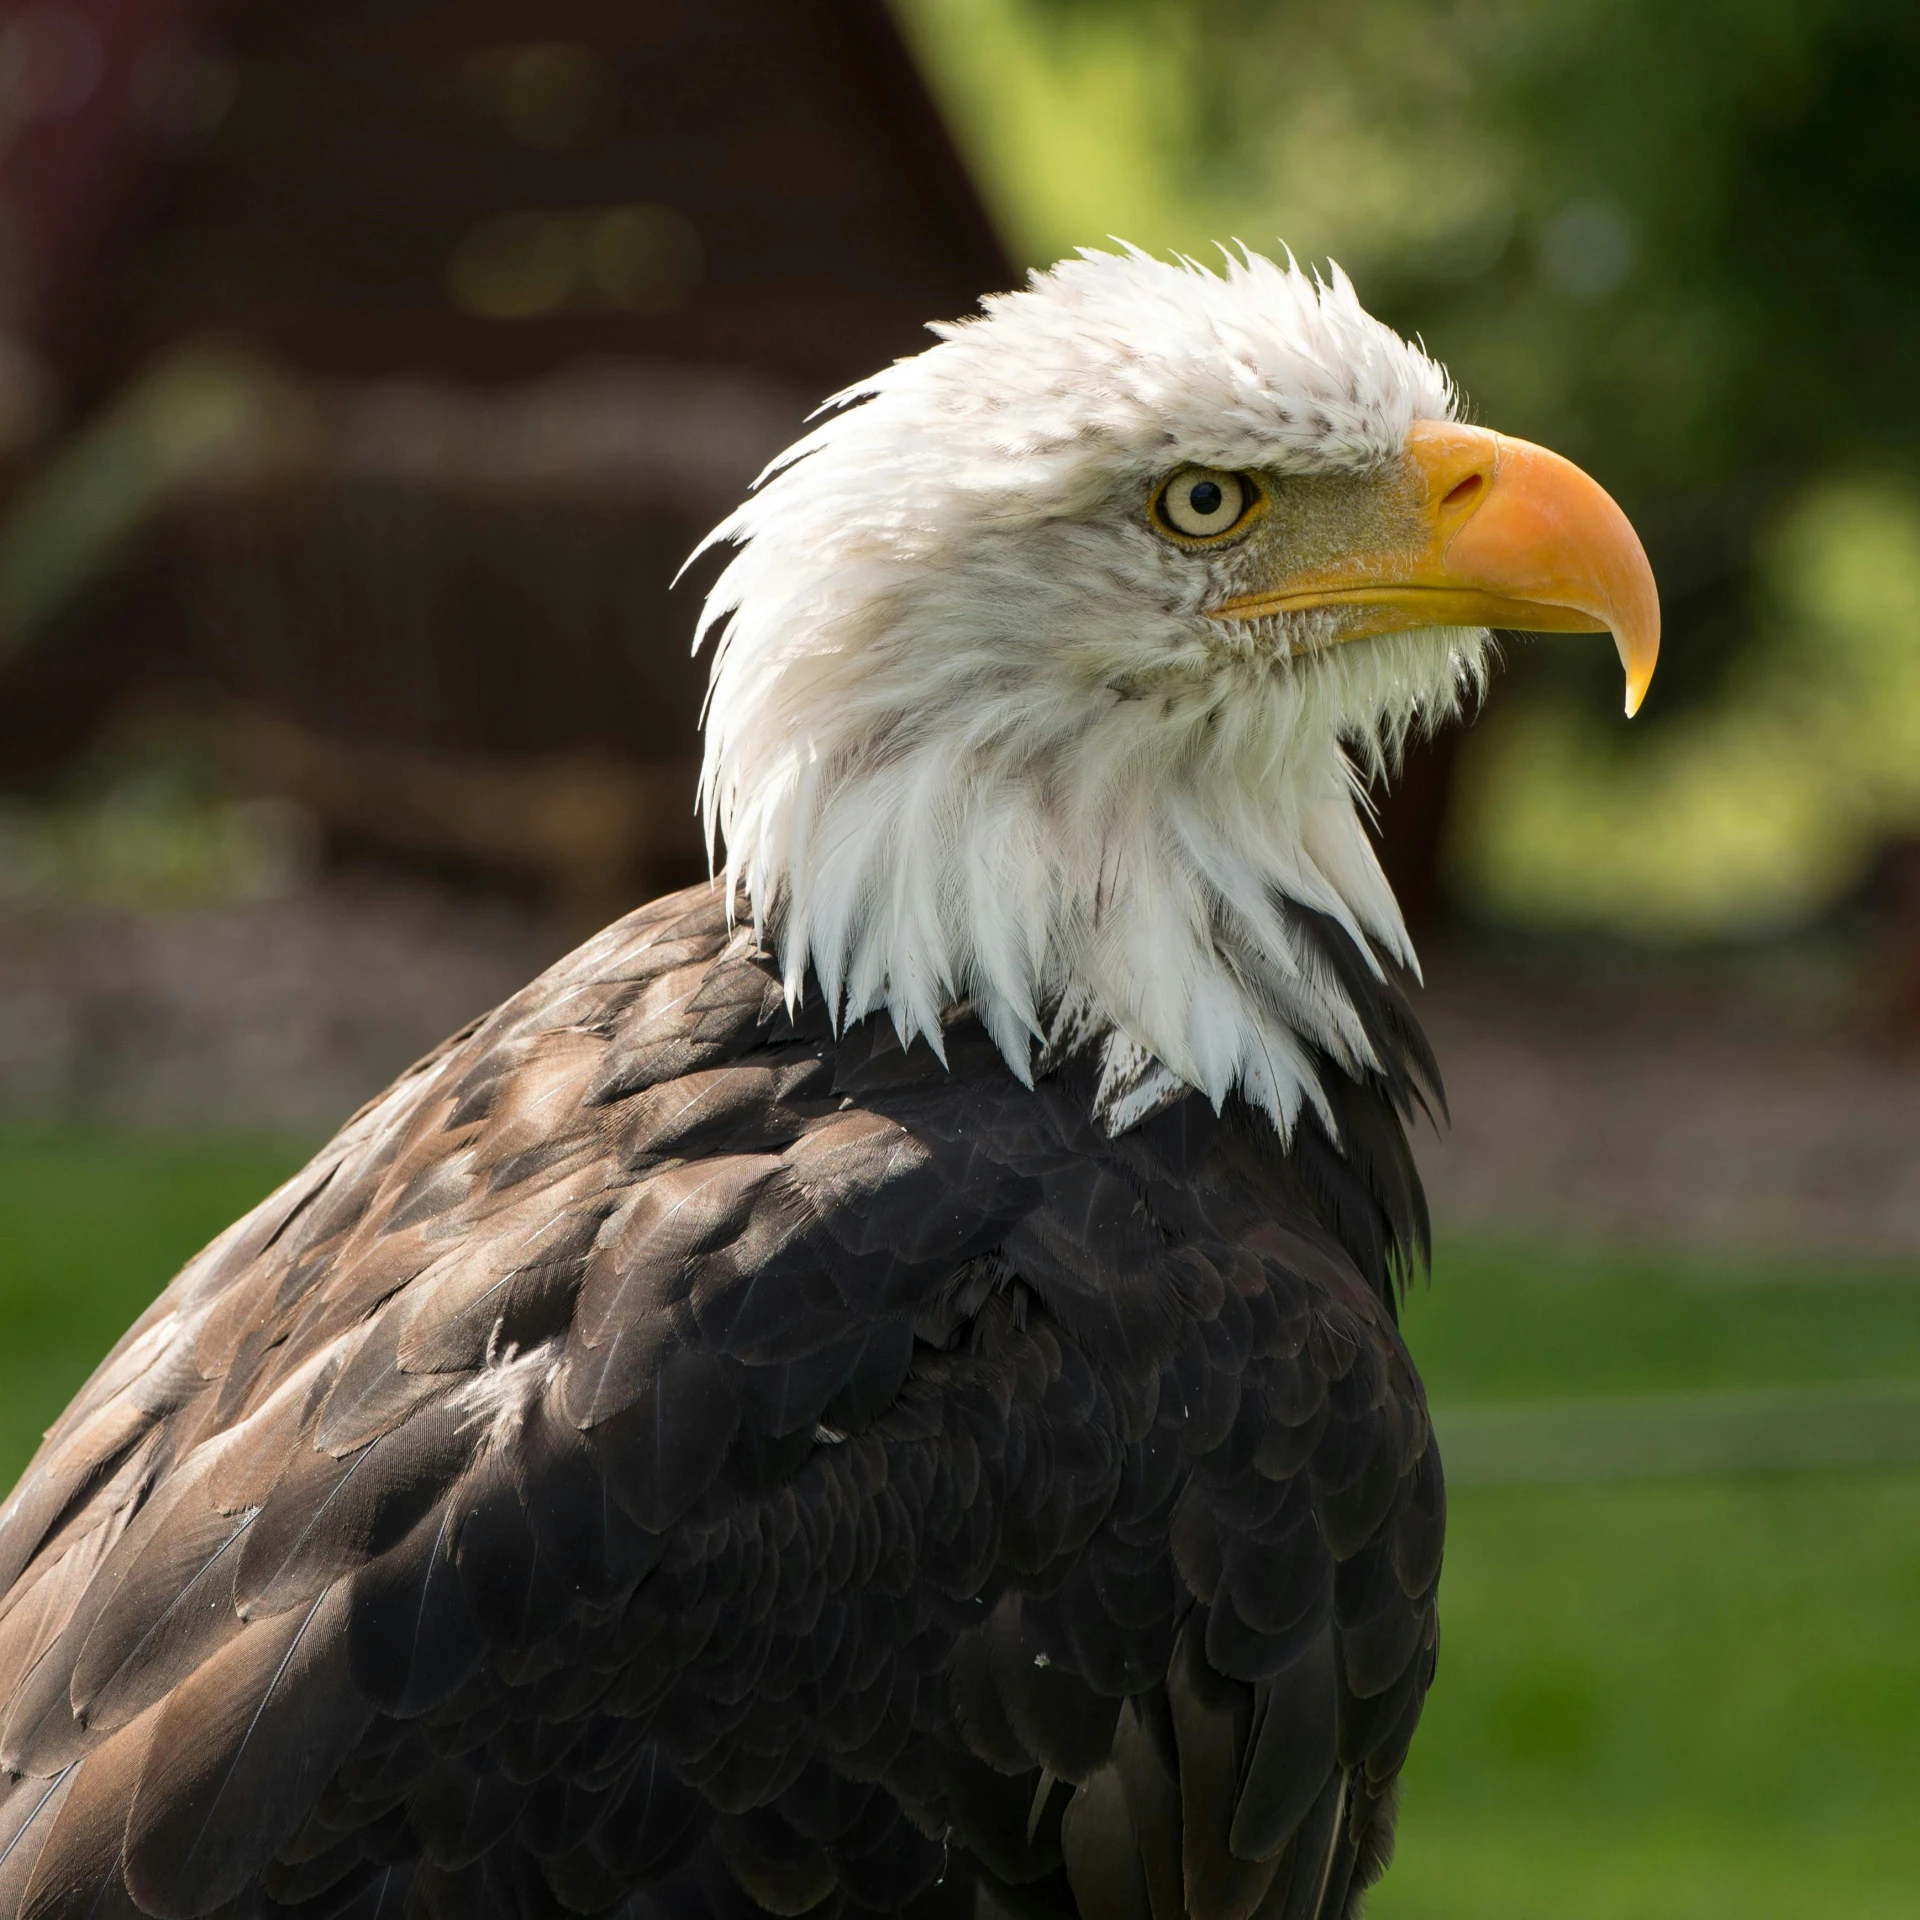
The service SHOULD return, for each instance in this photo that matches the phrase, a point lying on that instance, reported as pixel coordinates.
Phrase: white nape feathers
(972, 738)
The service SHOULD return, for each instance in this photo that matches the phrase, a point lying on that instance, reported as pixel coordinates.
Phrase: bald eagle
(873, 1386)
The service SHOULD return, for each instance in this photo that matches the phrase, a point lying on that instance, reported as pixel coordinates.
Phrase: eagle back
(668, 1457)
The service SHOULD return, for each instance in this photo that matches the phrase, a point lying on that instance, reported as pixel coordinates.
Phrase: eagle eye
(1202, 503)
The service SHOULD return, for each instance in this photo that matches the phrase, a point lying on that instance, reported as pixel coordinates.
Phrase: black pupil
(1205, 497)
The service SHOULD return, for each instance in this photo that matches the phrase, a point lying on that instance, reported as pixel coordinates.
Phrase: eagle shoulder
(661, 1445)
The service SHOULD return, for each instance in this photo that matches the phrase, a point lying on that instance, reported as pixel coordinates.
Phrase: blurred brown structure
(1889, 897)
(401, 349)
(1410, 826)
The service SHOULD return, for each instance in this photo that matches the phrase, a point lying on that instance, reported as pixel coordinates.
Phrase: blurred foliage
(147, 820)
(1763, 806)
(72, 517)
(1675, 242)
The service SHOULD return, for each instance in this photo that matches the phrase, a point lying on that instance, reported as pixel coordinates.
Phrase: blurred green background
(1676, 243)
(290, 489)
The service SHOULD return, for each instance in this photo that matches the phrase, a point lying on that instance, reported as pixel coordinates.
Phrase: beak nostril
(1463, 491)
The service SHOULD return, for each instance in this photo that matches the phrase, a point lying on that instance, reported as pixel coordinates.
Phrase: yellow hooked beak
(1500, 533)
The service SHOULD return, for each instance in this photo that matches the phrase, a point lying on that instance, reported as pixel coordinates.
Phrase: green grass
(1504, 1325)
(1693, 1700)
(1676, 1701)
(1672, 1702)
(90, 1231)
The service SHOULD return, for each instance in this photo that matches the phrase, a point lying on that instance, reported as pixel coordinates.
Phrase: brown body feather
(664, 1458)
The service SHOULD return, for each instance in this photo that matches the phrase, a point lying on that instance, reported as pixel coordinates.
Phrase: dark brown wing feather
(665, 1460)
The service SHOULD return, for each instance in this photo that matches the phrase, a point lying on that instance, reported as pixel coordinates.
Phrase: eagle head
(1051, 662)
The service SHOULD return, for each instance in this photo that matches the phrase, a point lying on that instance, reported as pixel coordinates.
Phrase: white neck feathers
(971, 743)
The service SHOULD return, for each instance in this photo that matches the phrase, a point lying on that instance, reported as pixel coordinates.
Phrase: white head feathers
(972, 737)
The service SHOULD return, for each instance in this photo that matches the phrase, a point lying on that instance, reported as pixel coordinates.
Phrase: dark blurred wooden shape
(487, 201)
(95, 91)
(364, 140)
(579, 824)
(1888, 899)
(1411, 827)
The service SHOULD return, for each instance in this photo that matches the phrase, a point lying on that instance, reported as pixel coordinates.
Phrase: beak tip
(1638, 644)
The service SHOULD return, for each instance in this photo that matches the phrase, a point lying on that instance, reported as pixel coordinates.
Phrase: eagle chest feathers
(666, 1459)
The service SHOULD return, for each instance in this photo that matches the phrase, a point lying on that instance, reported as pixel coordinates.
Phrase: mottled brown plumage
(664, 1458)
